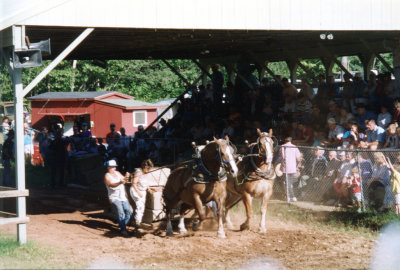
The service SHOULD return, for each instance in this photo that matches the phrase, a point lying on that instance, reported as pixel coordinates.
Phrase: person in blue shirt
(363, 115)
(375, 136)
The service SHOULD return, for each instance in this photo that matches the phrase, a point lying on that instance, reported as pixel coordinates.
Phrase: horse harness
(257, 173)
(200, 173)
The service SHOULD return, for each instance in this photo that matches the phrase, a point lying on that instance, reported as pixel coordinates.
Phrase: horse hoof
(230, 227)
(244, 227)
(262, 231)
(182, 231)
(169, 233)
(221, 235)
(196, 226)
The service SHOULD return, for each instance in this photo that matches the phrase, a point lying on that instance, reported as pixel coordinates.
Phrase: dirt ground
(76, 224)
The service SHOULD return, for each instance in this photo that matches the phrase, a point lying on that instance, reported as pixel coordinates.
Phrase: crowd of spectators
(354, 114)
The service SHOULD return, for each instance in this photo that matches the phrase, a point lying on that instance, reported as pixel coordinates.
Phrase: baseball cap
(111, 163)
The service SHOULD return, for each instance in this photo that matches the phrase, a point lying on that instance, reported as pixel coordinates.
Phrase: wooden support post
(205, 70)
(377, 55)
(311, 77)
(231, 72)
(367, 61)
(261, 73)
(333, 58)
(292, 64)
(273, 75)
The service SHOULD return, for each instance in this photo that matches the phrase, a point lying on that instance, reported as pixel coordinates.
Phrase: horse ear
(216, 140)
(258, 132)
(270, 132)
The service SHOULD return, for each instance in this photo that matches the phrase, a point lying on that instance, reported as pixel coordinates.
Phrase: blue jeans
(6, 173)
(388, 199)
(124, 213)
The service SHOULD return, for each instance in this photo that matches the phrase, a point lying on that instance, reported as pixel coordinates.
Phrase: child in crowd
(395, 183)
(392, 140)
(354, 183)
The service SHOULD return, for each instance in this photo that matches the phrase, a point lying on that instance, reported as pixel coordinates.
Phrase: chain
(244, 180)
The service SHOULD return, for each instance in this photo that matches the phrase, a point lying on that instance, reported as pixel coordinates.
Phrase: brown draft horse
(255, 179)
(199, 183)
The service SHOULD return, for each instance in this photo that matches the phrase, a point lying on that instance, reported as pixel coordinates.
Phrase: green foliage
(147, 80)
(279, 68)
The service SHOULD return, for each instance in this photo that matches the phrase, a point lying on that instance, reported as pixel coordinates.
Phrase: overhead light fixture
(205, 52)
(326, 35)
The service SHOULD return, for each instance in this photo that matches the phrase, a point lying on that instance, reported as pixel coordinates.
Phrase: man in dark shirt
(7, 156)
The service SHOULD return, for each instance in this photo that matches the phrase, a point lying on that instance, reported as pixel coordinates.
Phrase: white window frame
(145, 118)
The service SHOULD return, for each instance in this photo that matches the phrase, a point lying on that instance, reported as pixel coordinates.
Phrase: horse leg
(247, 200)
(263, 210)
(169, 225)
(200, 210)
(181, 225)
(230, 201)
(220, 211)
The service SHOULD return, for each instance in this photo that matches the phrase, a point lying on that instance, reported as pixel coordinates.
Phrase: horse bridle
(219, 155)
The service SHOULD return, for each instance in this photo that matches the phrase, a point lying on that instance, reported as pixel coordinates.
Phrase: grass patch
(31, 255)
(370, 219)
(365, 223)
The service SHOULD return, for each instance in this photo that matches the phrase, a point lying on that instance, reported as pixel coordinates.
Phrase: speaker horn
(43, 46)
(27, 58)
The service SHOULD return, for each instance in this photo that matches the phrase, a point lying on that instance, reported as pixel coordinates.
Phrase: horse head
(225, 152)
(265, 145)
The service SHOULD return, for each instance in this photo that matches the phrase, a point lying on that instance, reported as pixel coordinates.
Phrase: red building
(97, 109)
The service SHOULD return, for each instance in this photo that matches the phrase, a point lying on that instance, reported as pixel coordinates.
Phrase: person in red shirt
(354, 183)
(111, 135)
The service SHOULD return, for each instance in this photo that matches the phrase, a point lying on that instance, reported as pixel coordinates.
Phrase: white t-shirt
(116, 193)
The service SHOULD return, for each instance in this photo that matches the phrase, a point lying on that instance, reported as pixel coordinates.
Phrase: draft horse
(201, 182)
(255, 179)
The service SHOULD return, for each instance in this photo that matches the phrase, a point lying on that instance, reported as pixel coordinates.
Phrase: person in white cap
(115, 183)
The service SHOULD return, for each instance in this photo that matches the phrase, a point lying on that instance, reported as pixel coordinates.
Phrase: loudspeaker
(43, 46)
(27, 58)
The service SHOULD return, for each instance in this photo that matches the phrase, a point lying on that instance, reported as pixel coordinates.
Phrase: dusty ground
(87, 237)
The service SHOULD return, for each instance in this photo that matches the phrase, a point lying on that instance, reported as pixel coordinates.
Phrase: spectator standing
(395, 183)
(115, 183)
(7, 156)
(290, 156)
(110, 136)
(5, 127)
(348, 87)
(354, 184)
(58, 158)
(217, 80)
(306, 89)
(85, 133)
(344, 172)
(381, 174)
(394, 46)
(326, 188)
